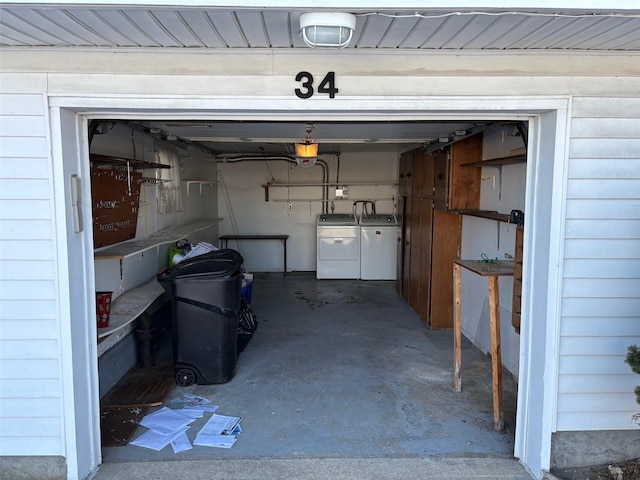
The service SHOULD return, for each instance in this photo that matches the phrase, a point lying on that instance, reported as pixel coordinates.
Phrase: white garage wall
(601, 285)
(494, 239)
(30, 369)
(241, 199)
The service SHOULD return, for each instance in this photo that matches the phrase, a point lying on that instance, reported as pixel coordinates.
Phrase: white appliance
(338, 246)
(379, 240)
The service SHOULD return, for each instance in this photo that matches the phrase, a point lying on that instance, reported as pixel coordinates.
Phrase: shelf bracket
(198, 182)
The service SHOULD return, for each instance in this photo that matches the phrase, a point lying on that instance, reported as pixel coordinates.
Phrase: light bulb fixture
(306, 150)
(327, 29)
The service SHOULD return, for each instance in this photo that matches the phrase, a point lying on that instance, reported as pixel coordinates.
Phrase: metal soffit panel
(137, 27)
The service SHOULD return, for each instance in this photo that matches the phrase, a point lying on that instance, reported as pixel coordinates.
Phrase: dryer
(379, 236)
(338, 246)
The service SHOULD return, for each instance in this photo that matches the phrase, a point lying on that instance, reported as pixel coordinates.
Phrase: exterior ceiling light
(327, 29)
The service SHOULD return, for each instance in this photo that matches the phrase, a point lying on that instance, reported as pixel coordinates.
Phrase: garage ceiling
(278, 138)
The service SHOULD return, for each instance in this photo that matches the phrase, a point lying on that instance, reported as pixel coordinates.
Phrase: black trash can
(205, 305)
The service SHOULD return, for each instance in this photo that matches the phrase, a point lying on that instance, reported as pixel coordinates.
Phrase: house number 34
(327, 85)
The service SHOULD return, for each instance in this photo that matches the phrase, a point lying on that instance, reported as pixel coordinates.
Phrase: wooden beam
(457, 328)
(496, 356)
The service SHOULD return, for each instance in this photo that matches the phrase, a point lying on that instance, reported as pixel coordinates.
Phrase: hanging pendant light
(307, 152)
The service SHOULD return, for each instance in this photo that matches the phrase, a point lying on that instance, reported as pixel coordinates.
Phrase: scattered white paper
(190, 400)
(155, 440)
(168, 426)
(219, 425)
(199, 408)
(220, 441)
(181, 443)
(192, 412)
(166, 420)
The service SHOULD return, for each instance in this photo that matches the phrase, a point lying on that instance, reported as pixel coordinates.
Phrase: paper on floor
(167, 426)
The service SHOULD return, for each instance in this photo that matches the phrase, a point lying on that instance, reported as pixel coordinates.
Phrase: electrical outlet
(290, 206)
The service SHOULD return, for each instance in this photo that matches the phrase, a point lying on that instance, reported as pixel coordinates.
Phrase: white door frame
(546, 179)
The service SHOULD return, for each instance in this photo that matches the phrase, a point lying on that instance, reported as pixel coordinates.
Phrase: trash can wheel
(185, 377)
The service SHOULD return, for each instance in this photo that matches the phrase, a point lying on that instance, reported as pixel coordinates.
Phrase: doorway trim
(546, 179)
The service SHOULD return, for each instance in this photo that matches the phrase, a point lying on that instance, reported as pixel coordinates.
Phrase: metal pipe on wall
(284, 158)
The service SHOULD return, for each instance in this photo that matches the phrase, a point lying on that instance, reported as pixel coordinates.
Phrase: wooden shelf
(135, 164)
(161, 237)
(496, 162)
(128, 306)
(489, 214)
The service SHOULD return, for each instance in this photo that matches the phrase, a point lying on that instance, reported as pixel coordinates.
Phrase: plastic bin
(247, 286)
(205, 304)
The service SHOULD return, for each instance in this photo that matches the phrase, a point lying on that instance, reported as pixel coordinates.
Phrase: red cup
(103, 308)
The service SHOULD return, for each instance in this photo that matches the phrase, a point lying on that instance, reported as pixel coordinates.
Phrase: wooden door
(423, 169)
(415, 246)
(405, 173)
(424, 260)
(406, 248)
(516, 308)
(447, 239)
(400, 251)
(441, 179)
(464, 182)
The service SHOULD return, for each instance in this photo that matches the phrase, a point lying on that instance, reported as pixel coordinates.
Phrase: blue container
(247, 286)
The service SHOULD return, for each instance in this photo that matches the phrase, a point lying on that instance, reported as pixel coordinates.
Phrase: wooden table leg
(496, 356)
(457, 329)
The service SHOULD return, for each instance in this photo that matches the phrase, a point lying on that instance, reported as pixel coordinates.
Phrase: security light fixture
(327, 29)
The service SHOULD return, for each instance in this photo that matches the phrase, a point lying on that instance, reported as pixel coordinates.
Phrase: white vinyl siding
(601, 284)
(30, 383)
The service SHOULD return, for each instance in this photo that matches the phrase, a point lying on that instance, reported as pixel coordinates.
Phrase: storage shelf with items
(97, 159)
(495, 162)
(489, 214)
(162, 237)
(128, 270)
(498, 163)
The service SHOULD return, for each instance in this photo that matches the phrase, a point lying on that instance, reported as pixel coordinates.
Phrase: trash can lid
(217, 263)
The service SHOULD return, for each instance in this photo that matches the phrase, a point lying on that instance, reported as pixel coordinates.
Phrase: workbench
(224, 241)
(492, 270)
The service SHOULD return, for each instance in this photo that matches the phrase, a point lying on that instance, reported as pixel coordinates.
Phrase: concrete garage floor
(341, 374)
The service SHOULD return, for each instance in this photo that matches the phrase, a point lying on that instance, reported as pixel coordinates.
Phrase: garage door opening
(544, 135)
(262, 192)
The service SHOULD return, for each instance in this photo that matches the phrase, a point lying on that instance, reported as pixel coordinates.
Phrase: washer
(338, 246)
(379, 238)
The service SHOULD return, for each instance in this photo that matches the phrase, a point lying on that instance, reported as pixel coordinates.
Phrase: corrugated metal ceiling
(135, 27)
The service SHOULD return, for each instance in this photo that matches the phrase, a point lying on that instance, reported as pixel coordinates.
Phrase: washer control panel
(378, 219)
(337, 219)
